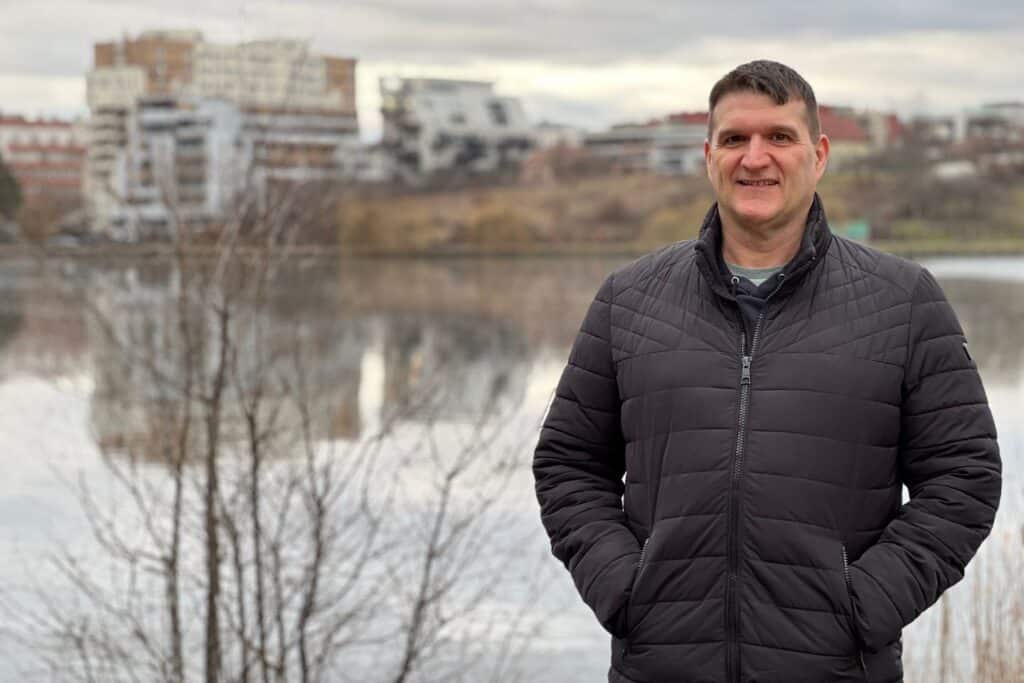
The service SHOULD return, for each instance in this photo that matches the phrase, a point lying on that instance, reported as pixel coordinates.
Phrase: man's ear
(821, 151)
(707, 157)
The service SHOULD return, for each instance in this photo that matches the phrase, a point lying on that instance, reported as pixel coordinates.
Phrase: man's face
(761, 160)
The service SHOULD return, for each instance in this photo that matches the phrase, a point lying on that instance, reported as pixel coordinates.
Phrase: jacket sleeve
(578, 467)
(949, 461)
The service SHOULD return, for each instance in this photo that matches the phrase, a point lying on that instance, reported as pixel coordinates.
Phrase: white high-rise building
(432, 125)
(666, 148)
(289, 113)
(273, 74)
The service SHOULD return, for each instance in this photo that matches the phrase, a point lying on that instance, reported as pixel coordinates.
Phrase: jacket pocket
(850, 611)
(629, 615)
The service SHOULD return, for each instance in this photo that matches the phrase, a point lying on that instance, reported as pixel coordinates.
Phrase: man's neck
(757, 247)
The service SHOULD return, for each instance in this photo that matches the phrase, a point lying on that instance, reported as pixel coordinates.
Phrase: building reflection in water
(12, 319)
(449, 340)
(42, 330)
(287, 342)
(457, 369)
(441, 366)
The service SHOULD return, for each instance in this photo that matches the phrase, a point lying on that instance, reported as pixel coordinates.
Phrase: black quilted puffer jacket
(727, 496)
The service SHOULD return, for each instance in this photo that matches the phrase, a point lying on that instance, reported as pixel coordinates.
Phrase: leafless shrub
(241, 534)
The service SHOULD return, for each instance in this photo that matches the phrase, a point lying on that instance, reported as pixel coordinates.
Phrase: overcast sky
(585, 62)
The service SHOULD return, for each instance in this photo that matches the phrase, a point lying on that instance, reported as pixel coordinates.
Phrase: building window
(498, 114)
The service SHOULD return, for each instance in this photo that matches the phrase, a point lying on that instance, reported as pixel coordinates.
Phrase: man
(766, 390)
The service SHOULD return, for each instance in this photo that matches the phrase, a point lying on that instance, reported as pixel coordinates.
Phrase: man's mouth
(757, 183)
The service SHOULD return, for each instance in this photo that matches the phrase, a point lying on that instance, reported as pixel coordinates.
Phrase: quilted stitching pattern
(859, 386)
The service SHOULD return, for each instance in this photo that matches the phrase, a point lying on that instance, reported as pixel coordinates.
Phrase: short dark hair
(777, 81)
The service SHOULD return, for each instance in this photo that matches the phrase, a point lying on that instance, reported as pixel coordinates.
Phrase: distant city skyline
(587, 64)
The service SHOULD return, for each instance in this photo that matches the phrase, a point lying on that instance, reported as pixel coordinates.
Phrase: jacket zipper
(640, 563)
(732, 614)
(853, 623)
(632, 591)
(732, 604)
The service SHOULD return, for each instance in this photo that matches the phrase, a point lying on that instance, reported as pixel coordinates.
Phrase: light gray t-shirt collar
(755, 275)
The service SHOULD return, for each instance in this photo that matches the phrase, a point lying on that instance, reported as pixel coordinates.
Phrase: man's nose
(756, 154)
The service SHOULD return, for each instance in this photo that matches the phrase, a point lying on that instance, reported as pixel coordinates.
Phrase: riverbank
(894, 211)
(914, 249)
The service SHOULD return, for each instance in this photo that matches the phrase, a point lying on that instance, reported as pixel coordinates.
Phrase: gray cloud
(618, 59)
(602, 31)
(50, 38)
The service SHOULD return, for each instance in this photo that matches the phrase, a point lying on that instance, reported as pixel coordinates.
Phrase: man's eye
(732, 140)
(780, 137)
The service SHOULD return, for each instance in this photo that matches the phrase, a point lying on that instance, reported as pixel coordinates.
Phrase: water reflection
(454, 369)
(464, 333)
(427, 341)
(448, 362)
(992, 315)
(137, 327)
(11, 317)
(41, 331)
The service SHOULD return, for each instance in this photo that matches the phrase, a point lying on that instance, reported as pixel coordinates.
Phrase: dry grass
(997, 613)
(975, 634)
(636, 213)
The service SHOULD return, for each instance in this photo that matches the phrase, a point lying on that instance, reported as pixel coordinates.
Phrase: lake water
(405, 343)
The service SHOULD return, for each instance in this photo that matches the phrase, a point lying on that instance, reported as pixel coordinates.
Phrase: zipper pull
(745, 378)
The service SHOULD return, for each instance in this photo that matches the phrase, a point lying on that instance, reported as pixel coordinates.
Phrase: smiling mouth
(757, 183)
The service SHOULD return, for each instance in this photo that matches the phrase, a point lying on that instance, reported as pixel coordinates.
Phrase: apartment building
(156, 62)
(166, 171)
(1013, 112)
(996, 122)
(273, 75)
(164, 57)
(292, 114)
(661, 146)
(197, 160)
(850, 141)
(547, 135)
(47, 157)
(432, 126)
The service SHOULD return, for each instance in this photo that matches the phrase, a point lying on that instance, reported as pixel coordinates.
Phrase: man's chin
(756, 215)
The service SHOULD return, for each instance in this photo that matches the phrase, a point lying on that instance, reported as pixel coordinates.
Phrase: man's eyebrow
(792, 132)
(788, 130)
(726, 132)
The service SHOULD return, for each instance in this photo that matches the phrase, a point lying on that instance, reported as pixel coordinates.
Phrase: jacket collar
(813, 246)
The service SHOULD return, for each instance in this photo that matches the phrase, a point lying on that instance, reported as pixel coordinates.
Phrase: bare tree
(239, 538)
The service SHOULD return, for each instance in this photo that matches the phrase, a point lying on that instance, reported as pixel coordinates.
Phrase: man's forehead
(751, 109)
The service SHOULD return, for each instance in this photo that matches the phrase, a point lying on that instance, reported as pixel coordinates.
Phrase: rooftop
(839, 127)
(17, 120)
